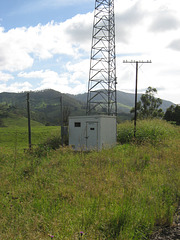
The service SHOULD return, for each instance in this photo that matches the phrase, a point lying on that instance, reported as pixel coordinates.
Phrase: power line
(137, 67)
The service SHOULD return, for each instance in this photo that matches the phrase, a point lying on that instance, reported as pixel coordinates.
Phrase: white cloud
(19, 47)
(175, 45)
(14, 55)
(46, 76)
(5, 77)
(78, 29)
(165, 21)
(16, 87)
(67, 82)
(126, 20)
(79, 71)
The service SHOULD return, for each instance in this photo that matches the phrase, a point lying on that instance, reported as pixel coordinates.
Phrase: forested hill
(125, 101)
(45, 105)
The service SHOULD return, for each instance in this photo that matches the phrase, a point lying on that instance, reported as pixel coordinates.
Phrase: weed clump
(51, 143)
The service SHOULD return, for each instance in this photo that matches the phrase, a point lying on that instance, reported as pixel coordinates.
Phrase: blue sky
(20, 13)
(46, 44)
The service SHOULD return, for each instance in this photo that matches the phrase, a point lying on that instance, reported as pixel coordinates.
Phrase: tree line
(149, 107)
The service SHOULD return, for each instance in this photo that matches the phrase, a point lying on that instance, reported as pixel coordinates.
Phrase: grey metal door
(92, 135)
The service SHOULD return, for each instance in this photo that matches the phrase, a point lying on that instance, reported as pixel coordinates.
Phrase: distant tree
(173, 114)
(148, 106)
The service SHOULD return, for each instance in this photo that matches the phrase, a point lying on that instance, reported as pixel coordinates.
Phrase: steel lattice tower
(102, 75)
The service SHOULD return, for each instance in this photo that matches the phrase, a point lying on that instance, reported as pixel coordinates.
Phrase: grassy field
(15, 134)
(121, 193)
(17, 137)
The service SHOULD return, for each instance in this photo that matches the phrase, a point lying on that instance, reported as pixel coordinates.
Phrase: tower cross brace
(102, 75)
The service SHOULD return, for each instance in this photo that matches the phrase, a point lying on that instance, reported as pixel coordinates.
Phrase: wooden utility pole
(29, 121)
(62, 125)
(135, 108)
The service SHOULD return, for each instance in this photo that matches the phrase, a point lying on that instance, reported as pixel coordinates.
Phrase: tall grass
(153, 131)
(121, 193)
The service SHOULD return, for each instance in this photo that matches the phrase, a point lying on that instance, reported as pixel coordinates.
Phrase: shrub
(51, 143)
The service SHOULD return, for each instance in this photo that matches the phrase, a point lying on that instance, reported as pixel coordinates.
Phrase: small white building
(92, 132)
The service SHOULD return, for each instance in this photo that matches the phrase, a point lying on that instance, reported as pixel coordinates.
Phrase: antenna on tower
(102, 75)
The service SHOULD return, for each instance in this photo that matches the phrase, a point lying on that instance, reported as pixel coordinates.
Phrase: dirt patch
(169, 233)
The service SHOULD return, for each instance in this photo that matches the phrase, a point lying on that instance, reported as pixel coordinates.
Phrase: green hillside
(45, 106)
(17, 121)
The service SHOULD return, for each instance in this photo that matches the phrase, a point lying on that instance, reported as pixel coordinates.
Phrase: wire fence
(23, 132)
(17, 137)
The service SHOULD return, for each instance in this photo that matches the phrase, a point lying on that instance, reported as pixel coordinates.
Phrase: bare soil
(171, 232)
